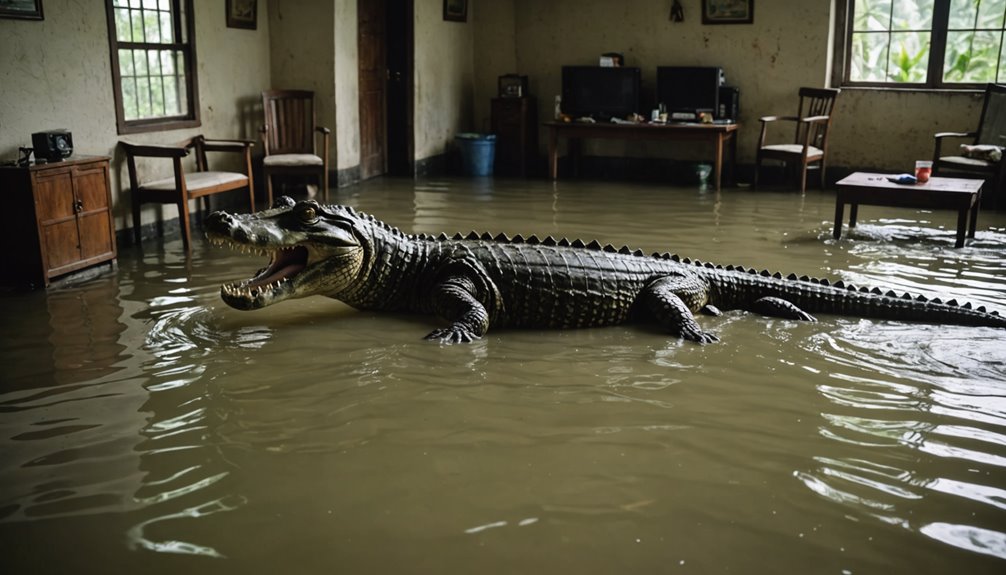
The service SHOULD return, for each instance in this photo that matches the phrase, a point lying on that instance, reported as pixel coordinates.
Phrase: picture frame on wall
(242, 14)
(727, 11)
(456, 10)
(22, 9)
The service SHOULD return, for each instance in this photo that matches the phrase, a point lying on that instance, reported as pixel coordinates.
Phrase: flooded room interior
(678, 286)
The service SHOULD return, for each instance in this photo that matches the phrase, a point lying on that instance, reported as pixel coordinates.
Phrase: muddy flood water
(146, 427)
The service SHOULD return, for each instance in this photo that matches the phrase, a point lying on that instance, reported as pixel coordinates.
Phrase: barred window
(924, 43)
(153, 64)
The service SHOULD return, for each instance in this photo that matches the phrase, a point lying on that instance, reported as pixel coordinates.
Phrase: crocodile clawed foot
(451, 335)
(699, 336)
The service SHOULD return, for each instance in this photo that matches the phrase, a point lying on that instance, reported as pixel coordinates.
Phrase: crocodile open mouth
(270, 281)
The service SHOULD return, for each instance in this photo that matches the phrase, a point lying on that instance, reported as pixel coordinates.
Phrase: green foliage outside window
(892, 41)
(151, 67)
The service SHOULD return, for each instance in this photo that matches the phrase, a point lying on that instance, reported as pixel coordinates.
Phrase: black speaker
(729, 105)
(53, 145)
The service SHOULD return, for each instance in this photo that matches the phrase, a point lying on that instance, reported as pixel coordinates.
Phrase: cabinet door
(54, 204)
(508, 113)
(91, 189)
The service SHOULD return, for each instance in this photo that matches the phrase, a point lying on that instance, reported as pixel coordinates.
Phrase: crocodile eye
(309, 215)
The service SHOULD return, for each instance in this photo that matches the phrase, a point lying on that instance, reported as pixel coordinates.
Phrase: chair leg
(823, 175)
(136, 218)
(803, 178)
(324, 184)
(183, 218)
(268, 189)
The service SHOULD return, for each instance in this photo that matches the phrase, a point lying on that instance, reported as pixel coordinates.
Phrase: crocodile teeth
(224, 241)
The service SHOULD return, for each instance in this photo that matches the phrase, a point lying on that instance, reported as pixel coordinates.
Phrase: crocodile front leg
(662, 299)
(454, 300)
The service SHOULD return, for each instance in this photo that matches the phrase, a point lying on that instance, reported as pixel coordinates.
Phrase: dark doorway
(385, 81)
(401, 159)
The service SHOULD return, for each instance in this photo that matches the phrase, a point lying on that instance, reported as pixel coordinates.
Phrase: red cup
(923, 169)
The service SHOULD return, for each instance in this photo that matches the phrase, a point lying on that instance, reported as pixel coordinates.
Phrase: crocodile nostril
(284, 202)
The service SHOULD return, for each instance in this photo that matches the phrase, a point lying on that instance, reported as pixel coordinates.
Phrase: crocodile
(475, 281)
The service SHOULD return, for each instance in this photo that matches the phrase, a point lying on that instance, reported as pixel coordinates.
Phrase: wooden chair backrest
(289, 121)
(992, 125)
(816, 102)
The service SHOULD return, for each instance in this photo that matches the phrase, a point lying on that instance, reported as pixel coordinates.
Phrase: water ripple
(984, 541)
(903, 398)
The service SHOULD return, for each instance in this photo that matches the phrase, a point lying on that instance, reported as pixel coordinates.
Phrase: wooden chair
(810, 142)
(288, 136)
(991, 131)
(184, 186)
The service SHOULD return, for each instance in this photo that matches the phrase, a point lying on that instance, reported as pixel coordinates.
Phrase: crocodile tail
(905, 307)
(823, 297)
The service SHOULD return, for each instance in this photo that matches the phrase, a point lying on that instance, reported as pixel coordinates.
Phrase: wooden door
(373, 78)
(94, 218)
(57, 215)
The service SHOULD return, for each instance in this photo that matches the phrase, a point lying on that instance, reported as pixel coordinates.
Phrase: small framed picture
(456, 10)
(242, 14)
(23, 9)
(727, 11)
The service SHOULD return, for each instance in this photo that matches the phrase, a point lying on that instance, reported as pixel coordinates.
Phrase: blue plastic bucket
(477, 153)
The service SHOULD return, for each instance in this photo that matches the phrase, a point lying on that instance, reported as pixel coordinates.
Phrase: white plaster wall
(495, 54)
(57, 74)
(347, 84)
(889, 130)
(444, 78)
(233, 71)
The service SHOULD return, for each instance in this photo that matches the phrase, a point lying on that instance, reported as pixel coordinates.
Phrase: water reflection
(63, 455)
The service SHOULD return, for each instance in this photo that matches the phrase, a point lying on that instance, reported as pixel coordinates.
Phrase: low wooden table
(962, 195)
(723, 137)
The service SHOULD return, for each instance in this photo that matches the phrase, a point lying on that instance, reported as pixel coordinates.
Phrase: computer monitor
(600, 92)
(689, 89)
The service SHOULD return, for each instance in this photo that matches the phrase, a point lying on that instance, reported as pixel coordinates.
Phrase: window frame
(842, 60)
(183, 19)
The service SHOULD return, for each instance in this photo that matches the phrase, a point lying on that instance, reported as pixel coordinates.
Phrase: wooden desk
(719, 135)
(962, 195)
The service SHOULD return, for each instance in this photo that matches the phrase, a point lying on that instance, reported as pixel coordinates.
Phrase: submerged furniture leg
(553, 151)
(974, 214)
(718, 161)
(839, 215)
(733, 158)
(962, 224)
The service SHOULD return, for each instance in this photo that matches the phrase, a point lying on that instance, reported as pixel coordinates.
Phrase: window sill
(914, 89)
(158, 126)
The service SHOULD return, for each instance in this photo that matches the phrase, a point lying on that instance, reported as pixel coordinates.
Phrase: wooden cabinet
(515, 123)
(56, 218)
